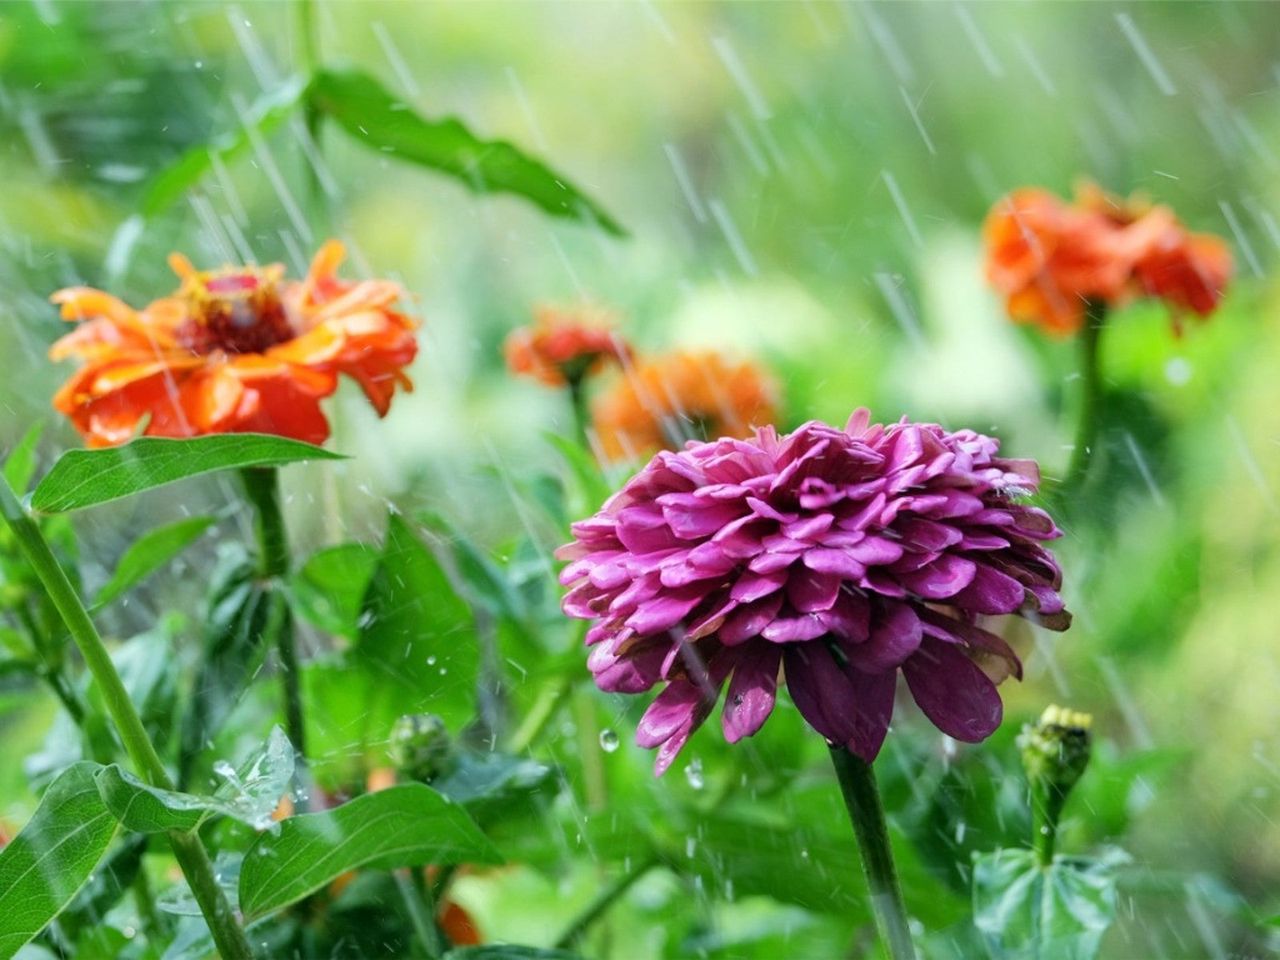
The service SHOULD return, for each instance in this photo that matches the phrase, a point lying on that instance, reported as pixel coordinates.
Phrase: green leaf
(405, 826)
(240, 612)
(382, 122)
(249, 794)
(148, 553)
(44, 866)
(487, 582)
(106, 887)
(490, 785)
(264, 116)
(418, 641)
(593, 487)
(86, 478)
(20, 465)
(1028, 912)
(329, 589)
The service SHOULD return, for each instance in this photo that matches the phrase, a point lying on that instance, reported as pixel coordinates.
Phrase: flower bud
(420, 747)
(1055, 752)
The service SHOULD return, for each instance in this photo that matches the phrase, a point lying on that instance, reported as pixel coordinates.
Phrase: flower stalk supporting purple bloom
(862, 798)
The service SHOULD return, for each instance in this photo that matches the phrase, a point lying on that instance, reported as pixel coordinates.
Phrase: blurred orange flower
(564, 346)
(663, 402)
(239, 349)
(1050, 259)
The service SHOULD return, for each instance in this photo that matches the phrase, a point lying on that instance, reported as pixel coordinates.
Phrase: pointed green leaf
(381, 121)
(593, 487)
(417, 640)
(249, 794)
(1028, 912)
(85, 478)
(490, 785)
(329, 589)
(149, 553)
(20, 465)
(241, 611)
(147, 809)
(184, 173)
(50, 859)
(488, 583)
(106, 887)
(406, 826)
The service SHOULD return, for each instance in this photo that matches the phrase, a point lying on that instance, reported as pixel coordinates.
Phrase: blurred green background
(802, 183)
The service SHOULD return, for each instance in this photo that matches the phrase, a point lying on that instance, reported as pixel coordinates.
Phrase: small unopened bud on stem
(1055, 752)
(420, 747)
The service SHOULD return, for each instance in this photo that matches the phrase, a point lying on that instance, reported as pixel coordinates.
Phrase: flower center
(234, 312)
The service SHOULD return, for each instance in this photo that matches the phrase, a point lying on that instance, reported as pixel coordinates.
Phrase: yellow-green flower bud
(1055, 752)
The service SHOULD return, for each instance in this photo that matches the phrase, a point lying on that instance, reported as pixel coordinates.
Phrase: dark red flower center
(233, 313)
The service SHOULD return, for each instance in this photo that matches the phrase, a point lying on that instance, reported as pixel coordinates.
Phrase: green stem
(417, 900)
(1091, 395)
(595, 780)
(578, 401)
(1046, 808)
(187, 849)
(602, 903)
(545, 709)
(263, 490)
(862, 798)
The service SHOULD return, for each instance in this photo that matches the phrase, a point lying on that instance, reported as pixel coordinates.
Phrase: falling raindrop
(693, 774)
(608, 740)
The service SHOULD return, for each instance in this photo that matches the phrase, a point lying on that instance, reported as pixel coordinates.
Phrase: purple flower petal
(811, 592)
(944, 577)
(752, 691)
(845, 706)
(990, 592)
(673, 710)
(750, 620)
(794, 629)
(953, 692)
(827, 560)
(895, 636)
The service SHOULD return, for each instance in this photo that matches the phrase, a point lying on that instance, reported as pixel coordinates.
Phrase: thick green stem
(191, 856)
(262, 487)
(862, 798)
(597, 908)
(1090, 397)
(1046, 809)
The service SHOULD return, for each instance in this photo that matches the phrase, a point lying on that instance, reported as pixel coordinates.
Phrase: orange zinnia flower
(1050, 259)
(661, 403)
(239, 349)
(564, 346)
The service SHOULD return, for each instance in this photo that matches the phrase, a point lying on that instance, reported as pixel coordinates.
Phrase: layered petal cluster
(1050, 259)
(240, 349)
(826, 560)
(564, 346)
(667, 400)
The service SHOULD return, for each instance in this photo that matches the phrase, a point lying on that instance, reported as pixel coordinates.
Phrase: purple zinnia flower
(828, 558)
